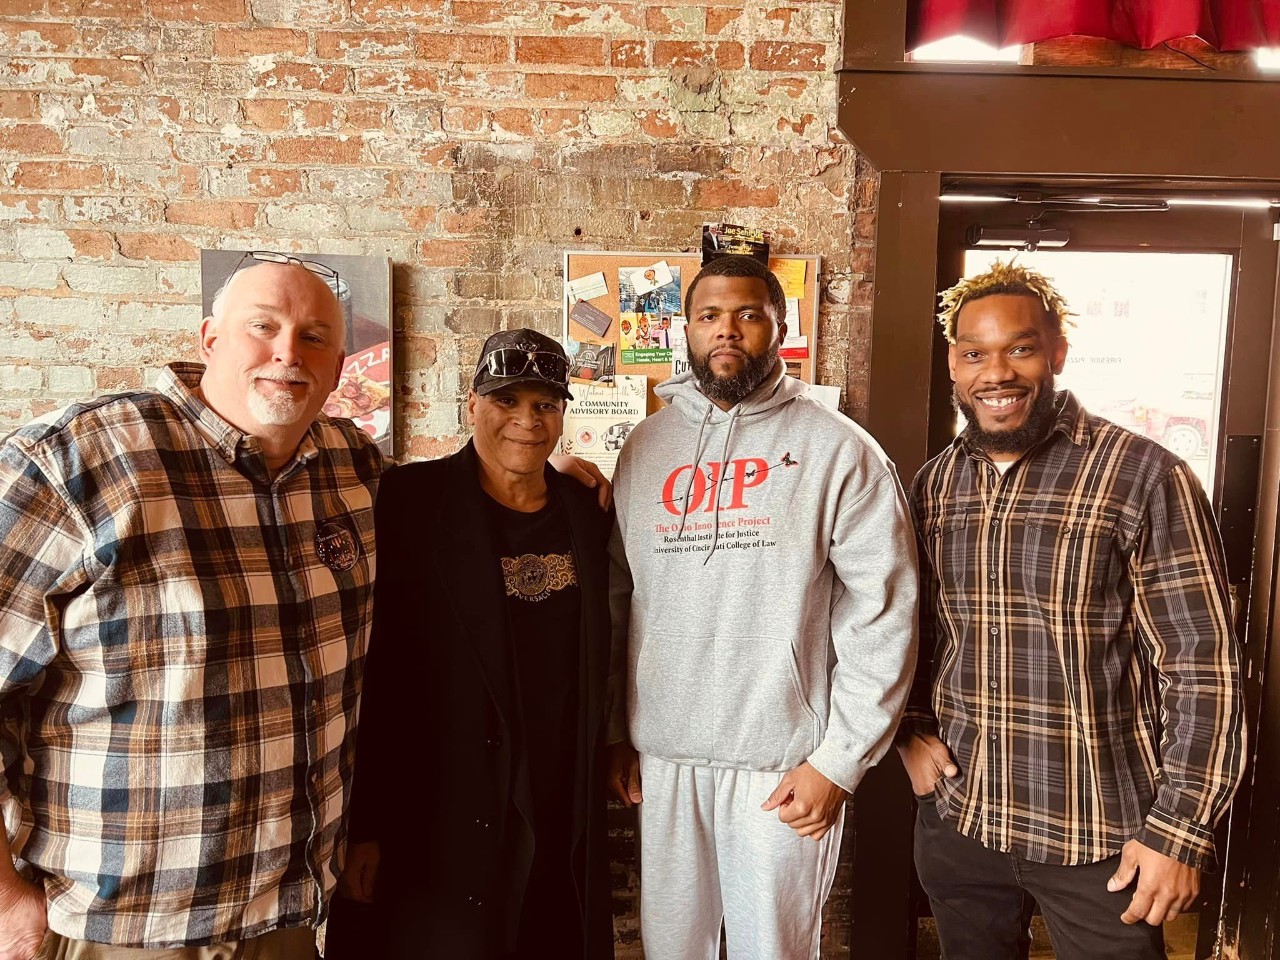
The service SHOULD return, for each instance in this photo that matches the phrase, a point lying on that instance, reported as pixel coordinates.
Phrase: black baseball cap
(521, 356)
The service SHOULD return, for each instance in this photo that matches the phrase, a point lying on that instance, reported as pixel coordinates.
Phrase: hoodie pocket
(763, 720)
(737, 701)
(674, 696)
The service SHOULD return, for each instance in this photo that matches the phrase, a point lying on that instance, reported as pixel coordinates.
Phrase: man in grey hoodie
(763, 591)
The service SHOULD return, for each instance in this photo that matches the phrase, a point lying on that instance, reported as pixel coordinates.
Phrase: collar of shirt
(180, 383)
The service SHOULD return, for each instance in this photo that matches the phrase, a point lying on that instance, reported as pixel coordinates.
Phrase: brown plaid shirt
(1083, 670)
(181, 643)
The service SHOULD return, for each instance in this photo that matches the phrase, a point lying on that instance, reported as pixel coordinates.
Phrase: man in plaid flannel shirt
(185, 582)
(1076, 726)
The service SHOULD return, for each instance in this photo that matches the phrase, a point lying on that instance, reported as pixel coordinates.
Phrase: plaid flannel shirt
(1077, 655)
(181, 643)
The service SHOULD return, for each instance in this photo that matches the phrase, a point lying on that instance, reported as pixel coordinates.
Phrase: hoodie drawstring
(724, 466)
(697, 455)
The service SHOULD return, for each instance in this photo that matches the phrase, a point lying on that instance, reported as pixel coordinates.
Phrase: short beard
(1040, 420)
(733, 390)
(281, 409)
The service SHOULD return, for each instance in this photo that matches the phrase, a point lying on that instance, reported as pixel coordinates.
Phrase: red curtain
(1224, 24)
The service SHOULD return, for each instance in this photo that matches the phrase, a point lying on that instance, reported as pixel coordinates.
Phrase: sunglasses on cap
(513, 362)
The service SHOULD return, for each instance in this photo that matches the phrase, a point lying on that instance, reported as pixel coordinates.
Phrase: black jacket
(441, 774)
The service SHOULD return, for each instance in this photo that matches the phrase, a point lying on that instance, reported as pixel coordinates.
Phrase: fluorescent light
(1241, 203)
(973, 198)
(1267, 58)
(961, 49)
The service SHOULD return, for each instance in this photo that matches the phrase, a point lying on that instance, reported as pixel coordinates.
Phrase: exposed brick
(28, 139)
(462, 48)
(655, 124)
(19, 36)
(24, 8)
(156, 246)
(399, 83)
(577, 51)
(720, 17)
(274, 183)
(199, 11)
(782, 15)
(628, 53)
(114, 9)
(58, 175)
(26, 275)
(569, 86)
(513, 120)
(463, 119)
(233, 43)
(682, 20)
(18, 105)
(560, 122)
(112, 73)
(492, 13)
(266, 114)
(304, 76)
(333, 150)
(365, 114)
(363, 45)
(117, 378)
(684, 53)
(418, 12)
(782, 55)
(445, 253)
(212, 213)
(92, 278)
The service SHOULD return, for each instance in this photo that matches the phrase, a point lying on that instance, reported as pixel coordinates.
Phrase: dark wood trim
(1046, 124)
(1251, 880)
(901, 335)
(875, 30)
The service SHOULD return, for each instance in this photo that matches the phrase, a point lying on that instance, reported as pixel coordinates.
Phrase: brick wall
(471, 141)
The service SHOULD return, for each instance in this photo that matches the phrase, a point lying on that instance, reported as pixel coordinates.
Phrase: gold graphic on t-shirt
(533, 578)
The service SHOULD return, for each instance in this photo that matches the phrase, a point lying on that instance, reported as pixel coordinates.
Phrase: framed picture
(363, 288)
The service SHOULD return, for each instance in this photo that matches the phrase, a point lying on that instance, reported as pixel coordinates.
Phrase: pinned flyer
(587, 288)
(791, 274)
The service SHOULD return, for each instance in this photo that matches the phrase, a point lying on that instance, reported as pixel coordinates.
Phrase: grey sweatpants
(710, 855)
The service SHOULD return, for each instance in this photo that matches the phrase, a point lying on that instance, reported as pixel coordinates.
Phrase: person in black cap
(477, 823)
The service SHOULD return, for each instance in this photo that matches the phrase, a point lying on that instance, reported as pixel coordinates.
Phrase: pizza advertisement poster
(363, 288)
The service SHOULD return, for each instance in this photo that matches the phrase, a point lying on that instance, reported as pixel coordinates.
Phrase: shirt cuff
(916, 723)
(1183, 840)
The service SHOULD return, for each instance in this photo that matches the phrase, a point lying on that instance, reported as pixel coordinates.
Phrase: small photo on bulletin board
(624, 314)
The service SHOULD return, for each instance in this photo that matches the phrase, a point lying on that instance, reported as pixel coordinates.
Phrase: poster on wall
(363, 288)
(598, 419)
(648, 297)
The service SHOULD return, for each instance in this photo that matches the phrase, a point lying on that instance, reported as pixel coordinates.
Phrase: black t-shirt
(544, 608)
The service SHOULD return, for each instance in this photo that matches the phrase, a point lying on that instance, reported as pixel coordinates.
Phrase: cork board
(624, 305)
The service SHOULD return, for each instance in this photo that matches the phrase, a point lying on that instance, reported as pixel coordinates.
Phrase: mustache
(295, 374)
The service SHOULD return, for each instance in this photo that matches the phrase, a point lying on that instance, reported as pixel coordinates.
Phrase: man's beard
(280, 409)
(1039, 421)
(733, 390)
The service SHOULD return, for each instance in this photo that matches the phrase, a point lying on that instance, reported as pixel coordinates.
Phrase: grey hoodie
(763, 585)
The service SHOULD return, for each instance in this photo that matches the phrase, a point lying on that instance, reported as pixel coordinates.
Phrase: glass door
(1174, 317)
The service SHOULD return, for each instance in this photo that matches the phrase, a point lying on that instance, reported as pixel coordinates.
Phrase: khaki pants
(294, 944)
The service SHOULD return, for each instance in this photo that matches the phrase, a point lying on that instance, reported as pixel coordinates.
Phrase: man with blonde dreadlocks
(1076, 725)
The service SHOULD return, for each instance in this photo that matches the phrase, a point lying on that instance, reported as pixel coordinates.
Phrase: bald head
(273, 273)
(273, 351)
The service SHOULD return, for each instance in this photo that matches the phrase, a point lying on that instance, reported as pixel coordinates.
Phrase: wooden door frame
(919, 124)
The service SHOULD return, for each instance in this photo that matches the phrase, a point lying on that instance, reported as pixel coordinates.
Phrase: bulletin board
(622, 303)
